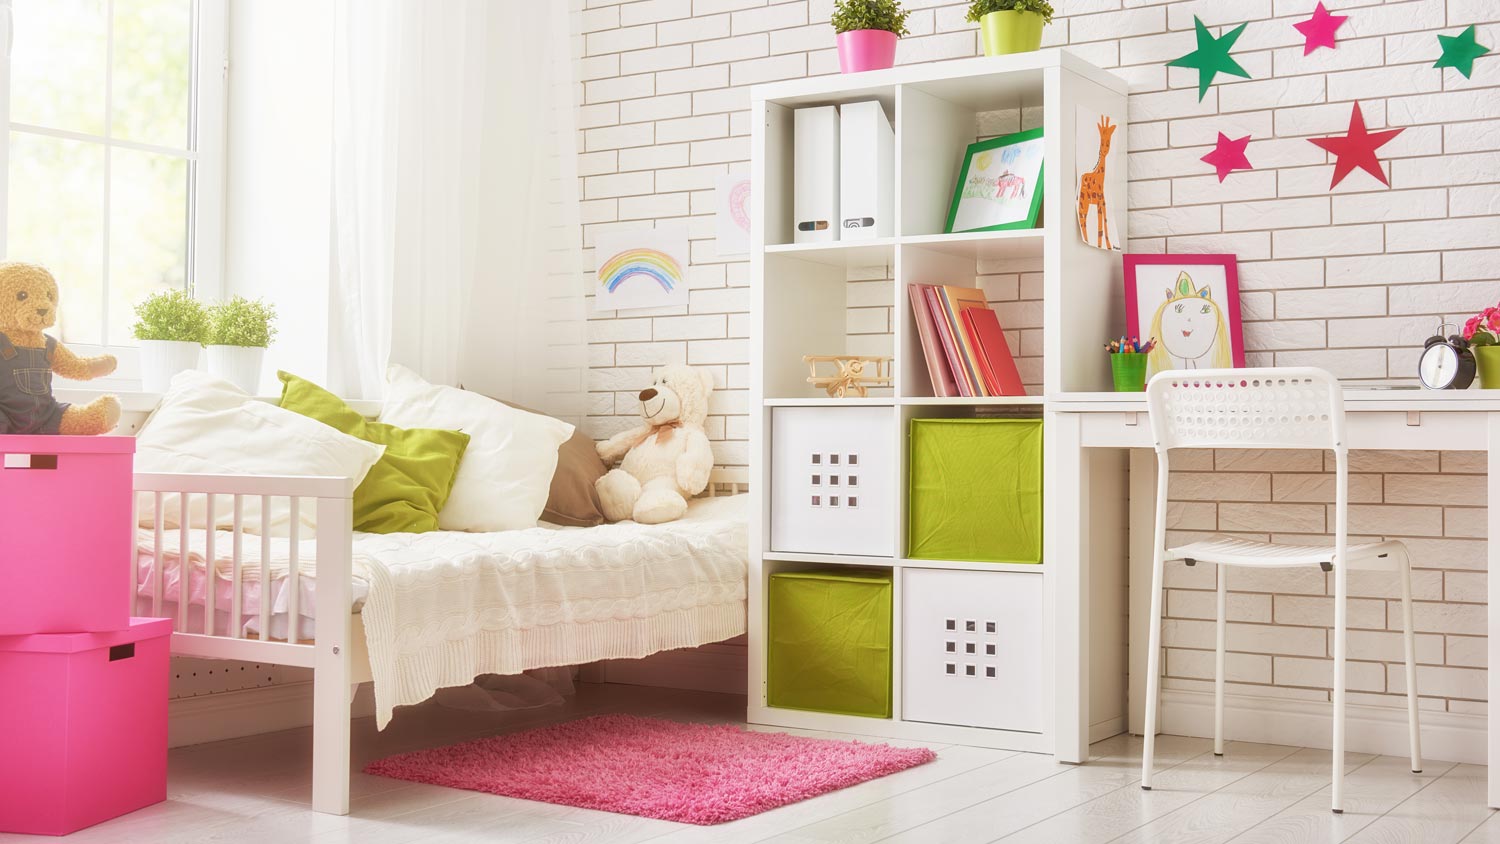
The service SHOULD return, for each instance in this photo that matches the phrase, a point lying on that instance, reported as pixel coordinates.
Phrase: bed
(413, 613)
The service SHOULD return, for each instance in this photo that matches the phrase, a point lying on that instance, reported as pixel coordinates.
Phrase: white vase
(239, 365)
(162, 359)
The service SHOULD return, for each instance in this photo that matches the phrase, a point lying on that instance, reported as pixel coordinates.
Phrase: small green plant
(241, 322)
(170, 315)
(853, 15)
(980, 8)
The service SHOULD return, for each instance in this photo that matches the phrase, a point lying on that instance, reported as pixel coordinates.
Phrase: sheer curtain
(455, 217)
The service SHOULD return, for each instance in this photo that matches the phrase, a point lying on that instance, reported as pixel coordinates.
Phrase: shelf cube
(976, 490)
(831, 480)
(83, 726)
(830, 642)
(65, 505)
(970, 649)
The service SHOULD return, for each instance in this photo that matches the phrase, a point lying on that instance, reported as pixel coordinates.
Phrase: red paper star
(1319, 29)
(1229, 156)
(1357, 149)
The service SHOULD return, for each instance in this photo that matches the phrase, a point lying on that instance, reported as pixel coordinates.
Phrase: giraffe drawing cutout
(1097, 188)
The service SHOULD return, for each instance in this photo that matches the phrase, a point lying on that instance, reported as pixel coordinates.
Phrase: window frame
(207, 166)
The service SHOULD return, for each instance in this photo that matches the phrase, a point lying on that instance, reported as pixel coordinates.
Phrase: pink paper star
(1357, 148)
(1319, 29)
(1229, 156)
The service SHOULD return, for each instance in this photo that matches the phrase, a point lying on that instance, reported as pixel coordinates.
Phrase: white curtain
(457, 250)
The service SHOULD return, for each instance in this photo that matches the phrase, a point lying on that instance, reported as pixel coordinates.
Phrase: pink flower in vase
(1470, 327)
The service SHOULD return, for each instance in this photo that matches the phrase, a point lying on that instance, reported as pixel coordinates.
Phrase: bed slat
(293, 577)
(184, 508)
(235, 576)
(265, 568)
(158, 562)
(210, 595)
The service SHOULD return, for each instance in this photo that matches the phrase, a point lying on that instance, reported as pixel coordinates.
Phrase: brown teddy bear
(28, 304)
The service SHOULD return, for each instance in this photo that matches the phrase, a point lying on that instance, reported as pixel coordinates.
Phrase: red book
(945, 332)
(999, 368)
(932, 350)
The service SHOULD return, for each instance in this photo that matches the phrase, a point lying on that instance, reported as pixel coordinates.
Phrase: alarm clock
(1447, 363)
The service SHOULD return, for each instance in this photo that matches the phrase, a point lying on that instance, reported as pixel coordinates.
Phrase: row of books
(961, 338)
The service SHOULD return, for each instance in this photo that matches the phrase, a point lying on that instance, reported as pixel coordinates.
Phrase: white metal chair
(1282, 408)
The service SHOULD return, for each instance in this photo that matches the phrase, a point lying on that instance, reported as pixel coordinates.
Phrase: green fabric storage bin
(830, 642)
(976, 490)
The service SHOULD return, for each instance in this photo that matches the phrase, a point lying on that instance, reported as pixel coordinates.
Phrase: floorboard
(257, 789)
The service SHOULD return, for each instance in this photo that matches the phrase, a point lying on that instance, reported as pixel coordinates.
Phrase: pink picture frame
(1191, 305)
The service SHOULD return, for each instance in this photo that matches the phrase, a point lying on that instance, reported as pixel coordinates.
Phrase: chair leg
(1340, 623)
(1223, 573)
(1409, 638)
(1153, 668)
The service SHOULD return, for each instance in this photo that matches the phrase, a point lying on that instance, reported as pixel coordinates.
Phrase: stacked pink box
(83, 686)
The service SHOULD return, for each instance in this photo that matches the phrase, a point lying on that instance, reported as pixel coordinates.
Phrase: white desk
(1377, 419)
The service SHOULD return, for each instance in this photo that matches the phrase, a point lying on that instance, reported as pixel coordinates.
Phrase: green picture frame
(978, 175)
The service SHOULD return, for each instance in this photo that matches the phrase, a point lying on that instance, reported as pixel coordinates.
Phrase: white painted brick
(1475, 136)
(1466, 233)
(651, 11)
(692, 128)
(780, 16)
(653, 157)
(1317, 611)
(1238, 606)
(692, 79)
(620, 40)
(1302, 518)
(1391, 205)
(1274, 214)
(1379, 331)
(1384, 269)
(1441, 681)
(735, 49)
(689, 30)
(1117, 24)
(1441, 298)
(1238, 667)
(1344, 363)
(1328, 240)
(688, 328)
(619, 88)
(1474, 264)
(1318, 673)
(659, 58)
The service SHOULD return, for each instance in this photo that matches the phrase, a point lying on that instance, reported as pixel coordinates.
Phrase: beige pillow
(572, 501)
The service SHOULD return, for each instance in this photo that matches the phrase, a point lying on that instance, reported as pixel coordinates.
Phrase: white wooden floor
(256, 790)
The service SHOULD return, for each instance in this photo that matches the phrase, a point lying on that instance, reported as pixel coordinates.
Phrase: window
(111, 173)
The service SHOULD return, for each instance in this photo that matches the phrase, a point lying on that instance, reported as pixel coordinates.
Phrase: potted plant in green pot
(867, 33)
(1483, 333)
(169, 331)
(1010, 26)
(238, 333)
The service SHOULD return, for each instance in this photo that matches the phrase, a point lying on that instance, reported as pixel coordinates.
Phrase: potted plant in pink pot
(867, 33)
(1483, 333)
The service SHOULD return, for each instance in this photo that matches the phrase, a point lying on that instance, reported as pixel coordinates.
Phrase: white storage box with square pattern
(972, 651)
(833, 480)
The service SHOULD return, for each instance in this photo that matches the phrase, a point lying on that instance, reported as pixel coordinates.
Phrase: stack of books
(961, 338)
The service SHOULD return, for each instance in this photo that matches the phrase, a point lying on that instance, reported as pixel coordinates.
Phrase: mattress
(441, 608)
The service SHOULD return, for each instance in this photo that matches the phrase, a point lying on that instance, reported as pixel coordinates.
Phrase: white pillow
(206, 425)
(506, 473)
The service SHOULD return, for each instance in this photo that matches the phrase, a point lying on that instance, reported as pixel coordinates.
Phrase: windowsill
(130, 401)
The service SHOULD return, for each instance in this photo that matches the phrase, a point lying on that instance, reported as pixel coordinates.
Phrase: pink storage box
(65, 505)
(83, 726)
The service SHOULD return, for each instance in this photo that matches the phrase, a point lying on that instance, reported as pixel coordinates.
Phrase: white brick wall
(1351, 279)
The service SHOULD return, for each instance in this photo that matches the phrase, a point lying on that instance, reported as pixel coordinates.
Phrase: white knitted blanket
(445, 607)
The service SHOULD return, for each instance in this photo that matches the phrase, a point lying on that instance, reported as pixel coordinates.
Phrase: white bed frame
(338, 658)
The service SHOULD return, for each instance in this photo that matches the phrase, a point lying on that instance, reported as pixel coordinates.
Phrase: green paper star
(1212, 56)
(1460, 51)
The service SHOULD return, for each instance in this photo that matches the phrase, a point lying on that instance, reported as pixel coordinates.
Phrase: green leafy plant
(852, 15)
(241, 322)
(980, 8)
(170, 315)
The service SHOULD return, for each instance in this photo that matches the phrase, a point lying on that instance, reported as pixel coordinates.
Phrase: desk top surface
(1356, 399)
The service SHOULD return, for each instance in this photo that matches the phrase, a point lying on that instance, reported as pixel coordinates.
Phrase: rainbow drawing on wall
(641, 269)
(651, 263)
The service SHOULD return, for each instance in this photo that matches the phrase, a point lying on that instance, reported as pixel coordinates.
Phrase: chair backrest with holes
(1270, 407)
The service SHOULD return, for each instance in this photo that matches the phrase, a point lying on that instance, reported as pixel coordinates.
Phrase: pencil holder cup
(1130, 371)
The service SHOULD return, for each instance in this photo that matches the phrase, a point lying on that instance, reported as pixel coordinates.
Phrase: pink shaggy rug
(692, 773)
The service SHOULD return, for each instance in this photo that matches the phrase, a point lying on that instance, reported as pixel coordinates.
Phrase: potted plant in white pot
(867, 33)
(169, 331)
(238, 333)
(1010, 26)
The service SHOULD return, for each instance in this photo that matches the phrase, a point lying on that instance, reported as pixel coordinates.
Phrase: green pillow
(405, 490)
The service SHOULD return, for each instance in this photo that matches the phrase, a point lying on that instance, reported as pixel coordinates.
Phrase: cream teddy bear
(666, 460)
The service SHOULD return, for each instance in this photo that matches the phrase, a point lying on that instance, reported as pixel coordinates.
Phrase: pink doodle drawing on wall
(733, 217)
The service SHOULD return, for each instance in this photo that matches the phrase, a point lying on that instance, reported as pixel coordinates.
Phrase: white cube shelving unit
(850, 297)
